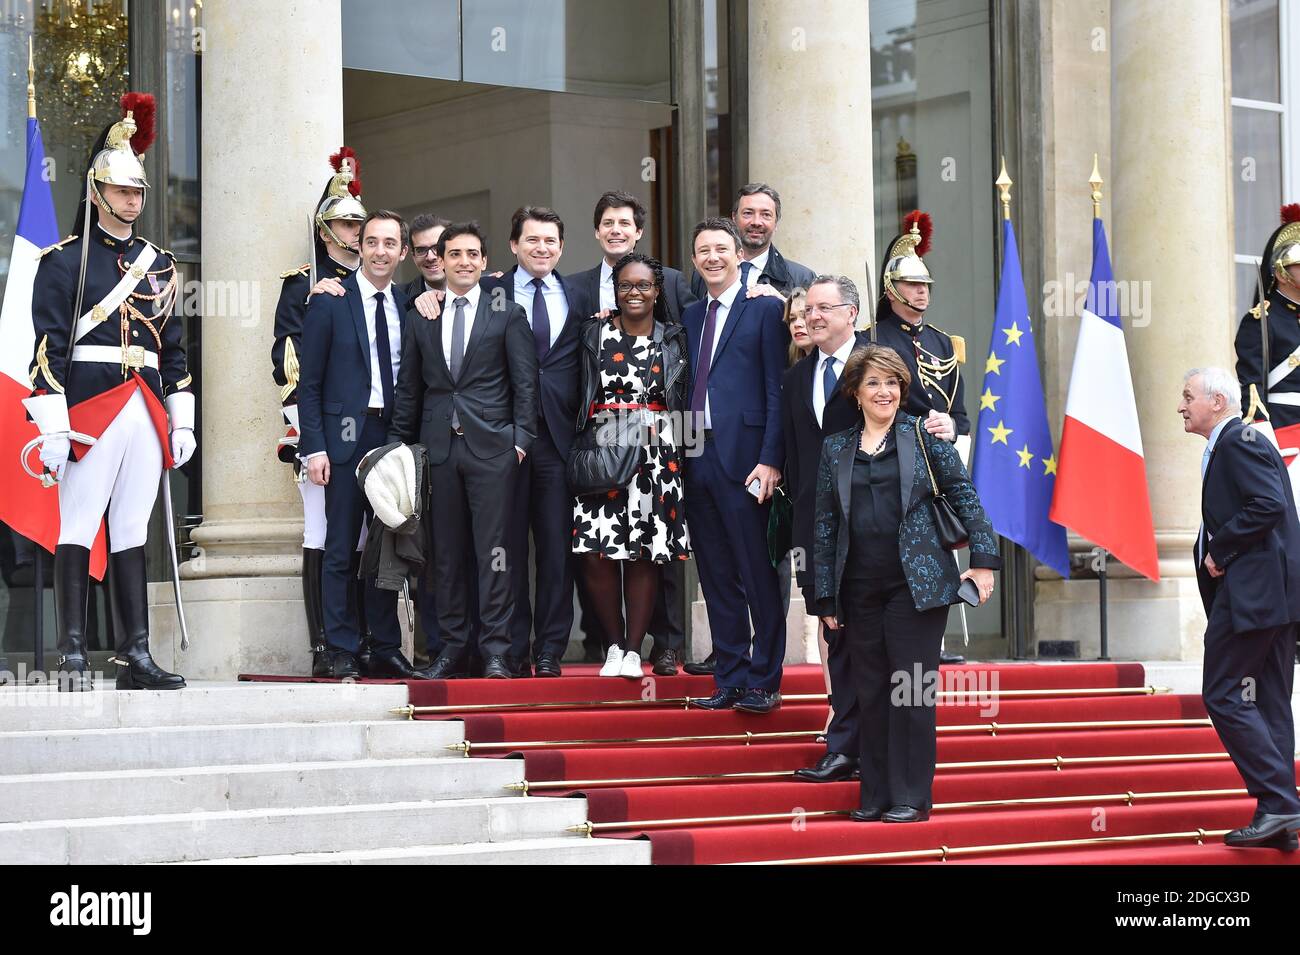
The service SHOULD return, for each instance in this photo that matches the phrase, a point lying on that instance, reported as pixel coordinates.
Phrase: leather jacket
(672, 340)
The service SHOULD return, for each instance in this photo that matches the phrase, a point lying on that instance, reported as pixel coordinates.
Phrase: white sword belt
(1284, 398)
(133, 356)
(1283, 370)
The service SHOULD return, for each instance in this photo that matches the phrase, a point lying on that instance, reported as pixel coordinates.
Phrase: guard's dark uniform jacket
(1283, 350)
(934, 359)
(289, 314)
(142, 329)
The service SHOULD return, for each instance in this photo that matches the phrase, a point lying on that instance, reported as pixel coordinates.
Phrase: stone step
(206, 704)
(168, 747)
(178, 837)
(566, 851)
(86, 795)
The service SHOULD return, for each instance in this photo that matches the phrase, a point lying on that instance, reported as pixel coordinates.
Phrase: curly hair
(883, 359)
(655, 266)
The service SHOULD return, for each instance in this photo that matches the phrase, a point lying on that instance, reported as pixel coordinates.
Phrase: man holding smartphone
(738, 355)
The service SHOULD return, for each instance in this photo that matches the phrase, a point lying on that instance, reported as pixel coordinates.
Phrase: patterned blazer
(930, 570)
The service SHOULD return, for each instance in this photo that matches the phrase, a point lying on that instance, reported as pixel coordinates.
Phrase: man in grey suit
(467, 390)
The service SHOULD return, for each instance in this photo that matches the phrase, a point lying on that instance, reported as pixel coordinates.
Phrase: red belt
(652, 406)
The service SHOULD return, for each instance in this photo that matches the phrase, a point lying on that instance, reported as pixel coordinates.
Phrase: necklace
(880, 445)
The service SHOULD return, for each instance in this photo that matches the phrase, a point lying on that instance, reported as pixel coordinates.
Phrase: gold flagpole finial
(1095, 181)
(31, 80)
(1004, 183)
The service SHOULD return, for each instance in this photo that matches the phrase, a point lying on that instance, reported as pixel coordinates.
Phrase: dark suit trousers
(469, 494)
(1258, 733)
(345, 510)
(544, 506)
(668, 625)
(842, 734)
(729, 534)
(886, 635)
(426, 598)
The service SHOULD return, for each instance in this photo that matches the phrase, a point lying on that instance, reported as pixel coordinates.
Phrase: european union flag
(1015, 465)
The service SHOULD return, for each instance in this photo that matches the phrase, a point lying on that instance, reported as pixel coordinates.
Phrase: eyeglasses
(825, 311)
(645, 288)
(890, 384)
(422, 250)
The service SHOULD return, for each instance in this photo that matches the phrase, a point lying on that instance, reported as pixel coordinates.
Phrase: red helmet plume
(354, 166)
(142, 108)
(1291, 212)
(923, 225)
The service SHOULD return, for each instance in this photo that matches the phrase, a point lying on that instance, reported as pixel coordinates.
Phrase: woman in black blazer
(884, 582)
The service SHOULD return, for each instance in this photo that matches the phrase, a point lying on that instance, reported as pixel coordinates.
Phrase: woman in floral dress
(634, 363)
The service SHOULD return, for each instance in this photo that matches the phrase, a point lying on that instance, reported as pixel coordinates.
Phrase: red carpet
(1056, 770)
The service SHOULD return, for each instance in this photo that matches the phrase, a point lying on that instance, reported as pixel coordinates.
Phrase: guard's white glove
(941, 425)
(180, 412)
(54, 455)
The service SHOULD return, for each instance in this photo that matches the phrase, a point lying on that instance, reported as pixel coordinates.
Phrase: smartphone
(969, 591)
(755, 488)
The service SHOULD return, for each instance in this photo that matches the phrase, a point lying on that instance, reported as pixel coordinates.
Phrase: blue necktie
(385, 353)
(541, 321)
(700, 391)
(829, 378)
(745, 268)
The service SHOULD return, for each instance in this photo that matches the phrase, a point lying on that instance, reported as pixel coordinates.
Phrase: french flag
(1101, 482)
(25, 506)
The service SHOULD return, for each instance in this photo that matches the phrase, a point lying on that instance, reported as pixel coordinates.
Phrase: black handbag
(952, 532)
(606, 454)
(780, 526)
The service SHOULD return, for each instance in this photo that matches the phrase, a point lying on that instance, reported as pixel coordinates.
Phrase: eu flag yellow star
(1026, 457)
(1013, 333)
(994, 364)
(1000, 433)
(1049, 465)
(989, 400)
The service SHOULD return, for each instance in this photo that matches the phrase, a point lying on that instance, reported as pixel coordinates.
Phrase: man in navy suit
(1248, 570)
(543, 506)
(738, 355)
(351, 352)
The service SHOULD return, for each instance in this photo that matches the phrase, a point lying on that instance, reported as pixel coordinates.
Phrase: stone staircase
(281, 773)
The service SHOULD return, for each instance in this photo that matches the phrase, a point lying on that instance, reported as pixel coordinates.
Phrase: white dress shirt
(606, 285)
(725, 301)
(819, 370)
(759, 263)
(557, 303)
(394, 335)
(1203, 537)
(448, 317)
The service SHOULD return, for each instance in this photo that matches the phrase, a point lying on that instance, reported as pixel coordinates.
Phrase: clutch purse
(780, 526)
(952, 532)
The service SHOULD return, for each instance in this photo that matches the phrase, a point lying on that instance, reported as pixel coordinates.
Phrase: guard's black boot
(358, 606)
(71, 586)
(128, 589)
(312, 561)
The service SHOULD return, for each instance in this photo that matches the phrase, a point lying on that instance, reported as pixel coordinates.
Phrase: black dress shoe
(720, 700)
(391, 665)
(831, 768)
(519, 669)
(344, 665)
(704, 668)
(447, 667)
(759, 701)
(950, 659)
(866, 815)
(547, 665)
(665, 664)
(322, 664)
(1264, 827)
(905, 814)
(496, 668)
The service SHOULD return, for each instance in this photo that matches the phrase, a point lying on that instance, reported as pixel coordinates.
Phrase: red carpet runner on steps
(1038, 764)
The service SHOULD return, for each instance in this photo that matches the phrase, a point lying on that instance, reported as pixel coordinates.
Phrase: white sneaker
(613, 661)
(631, 665)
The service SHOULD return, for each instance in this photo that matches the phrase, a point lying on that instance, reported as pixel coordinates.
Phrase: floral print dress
(646, 519)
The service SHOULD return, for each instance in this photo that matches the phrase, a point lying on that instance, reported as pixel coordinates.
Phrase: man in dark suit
(619, 221)
(425, 230)
(467, 392)
(555, 310)
(1248, 570)
(763, 268)
(812, 407)
(738, 355)
(351, 351)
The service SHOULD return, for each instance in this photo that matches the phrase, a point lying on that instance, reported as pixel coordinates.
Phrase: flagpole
(38, 571)
(1100, 555)
(31, 80)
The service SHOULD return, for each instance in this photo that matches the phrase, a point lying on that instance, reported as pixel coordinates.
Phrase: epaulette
(166, 252)
(56, 245)
(958, 344)
(300, 270)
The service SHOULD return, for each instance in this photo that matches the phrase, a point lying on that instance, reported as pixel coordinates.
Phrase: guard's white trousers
(118, 474)
(313, 515)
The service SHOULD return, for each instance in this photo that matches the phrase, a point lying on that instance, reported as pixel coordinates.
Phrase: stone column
(810, 129)
(272, 114)
(1170, 230)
